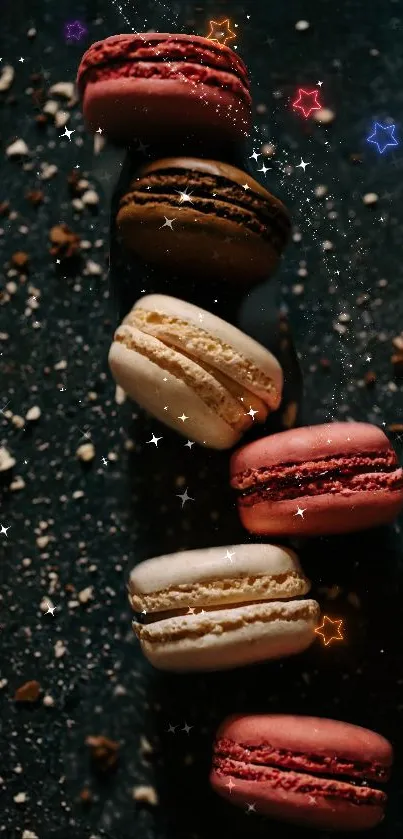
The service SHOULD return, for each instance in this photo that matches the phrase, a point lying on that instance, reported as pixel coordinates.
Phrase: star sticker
(183, 417)
(168, 222)
(51, 609)
(171, 729)
(300, 512)
(255, 156)
(184, 196)
(383, 136)
(229, 555)
(251, 413)
(187, 728)
(3, 531)
(230, 785)
(185, 497)
(264, 169)
(154, 440)
(189, 444)
(307, 101)
(220, 31)
(302, 165)
(328, 629)
(67, 133)
(74, 31)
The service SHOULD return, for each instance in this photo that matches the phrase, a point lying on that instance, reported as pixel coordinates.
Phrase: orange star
(327, 633)
(220, 31)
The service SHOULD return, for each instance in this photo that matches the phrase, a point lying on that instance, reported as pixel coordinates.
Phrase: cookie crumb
(145, 795)
(28, 692)
(104, 753)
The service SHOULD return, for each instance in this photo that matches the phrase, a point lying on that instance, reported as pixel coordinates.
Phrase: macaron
(332, 478)
(204, 219)
(148, 84)
(219, 608)
(312, 771)
(193, 371)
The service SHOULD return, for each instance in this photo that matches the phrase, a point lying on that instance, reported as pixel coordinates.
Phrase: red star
(307, 101)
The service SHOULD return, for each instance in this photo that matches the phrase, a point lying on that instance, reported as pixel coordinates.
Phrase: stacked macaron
(232, 606)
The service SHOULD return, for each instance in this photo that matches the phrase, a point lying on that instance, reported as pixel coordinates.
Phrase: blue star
(384, 139)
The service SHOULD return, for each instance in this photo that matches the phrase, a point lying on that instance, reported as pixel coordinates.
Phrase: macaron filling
(213, 195)
(333, 475)
(205, 348)
(198, 61)
(285, 770)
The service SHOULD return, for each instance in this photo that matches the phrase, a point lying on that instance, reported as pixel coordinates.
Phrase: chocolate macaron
(203, 218)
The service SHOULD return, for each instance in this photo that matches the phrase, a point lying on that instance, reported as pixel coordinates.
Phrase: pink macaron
(315, 772)
(333, 478)
(150, 85)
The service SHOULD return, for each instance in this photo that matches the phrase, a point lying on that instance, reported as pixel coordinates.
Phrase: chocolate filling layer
(216, 196)
(336, 474)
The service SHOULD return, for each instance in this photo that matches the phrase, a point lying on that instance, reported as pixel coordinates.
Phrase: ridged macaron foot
(175, 359)
(147, 84)
(204, 218)
(315, 772)
(332, 478)
(219, 608)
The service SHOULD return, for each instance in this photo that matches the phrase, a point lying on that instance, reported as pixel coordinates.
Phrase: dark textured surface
(74, 526)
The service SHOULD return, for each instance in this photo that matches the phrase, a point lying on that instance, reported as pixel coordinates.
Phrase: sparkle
(74, 31)
(302, 165)
(229, 554)
(184, 196)
(220, 31)
(142, 147)
(319, 84)
(251, 808)
(264, 169)
(3, 530)
(21, 60)
(185, 497)
(189, 444)
(187, 728)
(245, 186)
(230, 785)
(171, 729)
(104, 461)
(51, 609)
(300, 512)
(86, 434)
(383, 136)
(327, 630)
(99, 131)
(191, 610)
(251, 413)
(183, 417)
(4, 407)
(67, 133)
(307, 101)
(168, 222)
(255, 155)
(154, 440)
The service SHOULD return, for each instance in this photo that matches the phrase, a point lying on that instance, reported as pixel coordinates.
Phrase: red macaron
(315, 772)
(150, 85)
(324, 479)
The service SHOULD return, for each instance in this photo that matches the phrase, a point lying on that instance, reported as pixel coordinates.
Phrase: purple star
(383, 136)
(75, 30)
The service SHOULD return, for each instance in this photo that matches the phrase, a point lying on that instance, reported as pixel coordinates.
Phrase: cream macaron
(177, 360)
(218, 608)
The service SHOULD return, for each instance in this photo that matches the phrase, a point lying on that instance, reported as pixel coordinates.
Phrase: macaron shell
(312, 735)
(247, 351)
(315, 442)
(225, 249)
(322, 514)
(228, 638)
(142, 380)
(305, 810)
(118, 106)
